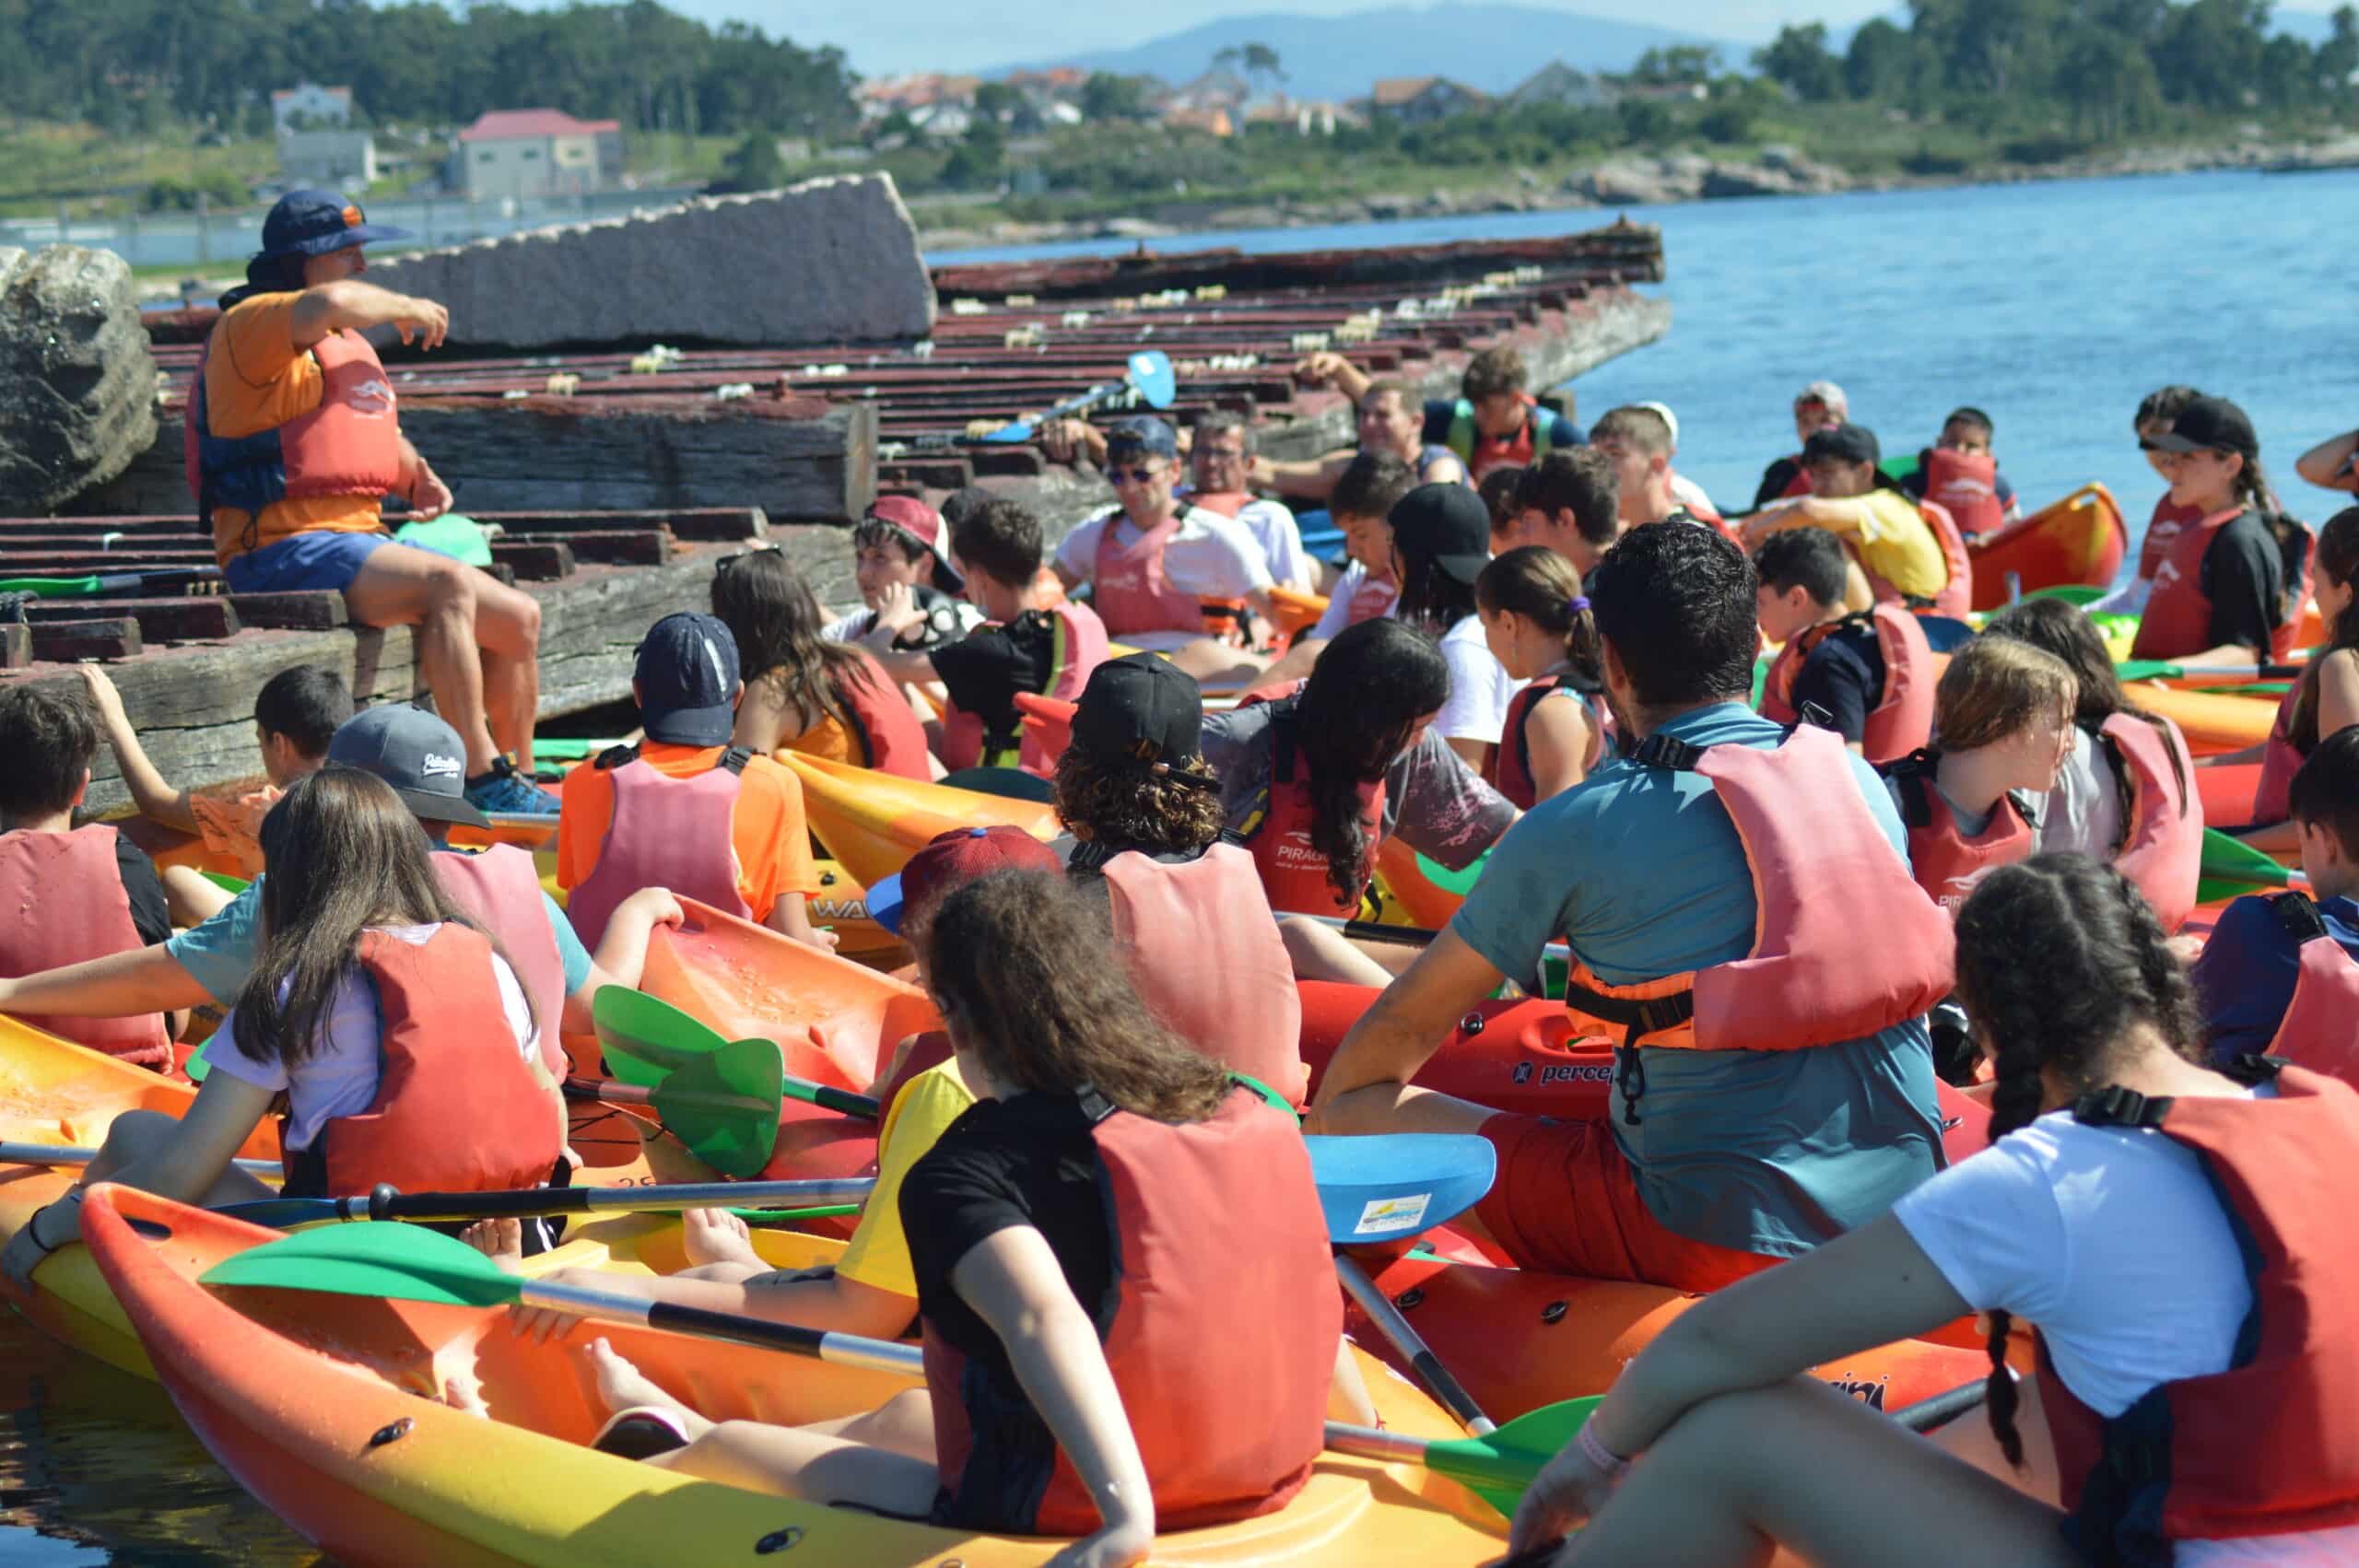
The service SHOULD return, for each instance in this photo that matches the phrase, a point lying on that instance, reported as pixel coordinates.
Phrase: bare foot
(464, 1391)
(716, 1235)
(502, 1241)
(624, 1388)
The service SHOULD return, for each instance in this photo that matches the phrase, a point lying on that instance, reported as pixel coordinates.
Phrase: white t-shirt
(2083, 813)
(1211, 556)
(1338, 614)
(340, 1077)
(861, 621)
(2113, 1242)
(1689, 494)
(1480, 686)
(1273, 528)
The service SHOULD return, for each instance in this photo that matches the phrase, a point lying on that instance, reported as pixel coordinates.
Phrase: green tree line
(140, 63)
(2111, 67)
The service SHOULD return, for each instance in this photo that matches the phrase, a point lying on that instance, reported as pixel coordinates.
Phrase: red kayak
(2079, 541)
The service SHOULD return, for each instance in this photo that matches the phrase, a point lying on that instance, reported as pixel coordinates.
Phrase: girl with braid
(2175, 1233)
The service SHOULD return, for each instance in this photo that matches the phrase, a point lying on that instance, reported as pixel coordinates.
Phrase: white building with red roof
(536, 152)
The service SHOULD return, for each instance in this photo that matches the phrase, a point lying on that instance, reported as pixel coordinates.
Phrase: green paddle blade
(2145, 670)
(2070, 593)
(225, 882)
(644, 1038)
(724, 1105)
(404, 1262)
(1498, 1468)
(2234, 862)
(197, 1066)
(546, 750)
(1461, 882)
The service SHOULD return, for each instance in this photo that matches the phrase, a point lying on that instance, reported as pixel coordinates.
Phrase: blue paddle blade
(1151, 374)
(1008, 435)
(1390, 1187)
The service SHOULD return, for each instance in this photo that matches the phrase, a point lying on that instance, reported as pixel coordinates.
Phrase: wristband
(1608, 1463)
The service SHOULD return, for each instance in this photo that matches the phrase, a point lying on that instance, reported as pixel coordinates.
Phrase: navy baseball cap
(415, 751)
(1446, 524)
(1142, 432)
(687, 681)
(312, 223)
(1842, 443)
(2211, 424)
(1142, 709)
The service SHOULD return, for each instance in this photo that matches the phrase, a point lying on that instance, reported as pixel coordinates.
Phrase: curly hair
(1160, 812)
(2058, 957)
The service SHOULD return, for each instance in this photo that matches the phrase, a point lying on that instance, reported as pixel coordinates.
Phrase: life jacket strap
(1639, 1016)
(2297, 917)
(1659, 750)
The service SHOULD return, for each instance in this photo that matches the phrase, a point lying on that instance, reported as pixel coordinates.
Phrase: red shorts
(1564, 1203)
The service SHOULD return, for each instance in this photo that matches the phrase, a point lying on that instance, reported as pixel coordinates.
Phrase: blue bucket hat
(312, 223)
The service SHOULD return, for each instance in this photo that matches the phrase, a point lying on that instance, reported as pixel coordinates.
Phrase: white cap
(1668, 418)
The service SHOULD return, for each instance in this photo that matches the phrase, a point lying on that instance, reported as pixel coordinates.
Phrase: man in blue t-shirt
(2246, 978)
(1739, 1158)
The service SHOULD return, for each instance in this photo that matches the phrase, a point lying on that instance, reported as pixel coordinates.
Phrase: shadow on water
(97, 1467)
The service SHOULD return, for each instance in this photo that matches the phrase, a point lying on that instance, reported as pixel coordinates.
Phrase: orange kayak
(2212, 721)
(2079, 541)
(1295, 612)
(313, 1402)
(874, 822)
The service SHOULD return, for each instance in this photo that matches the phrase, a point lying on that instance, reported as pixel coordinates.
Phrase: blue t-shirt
(1641, 869)
(220, 953)
(2245, 979)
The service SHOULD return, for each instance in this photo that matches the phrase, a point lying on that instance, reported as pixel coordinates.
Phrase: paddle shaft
(386, 1204)
(632, 1094)
(66, 1154)
(1398, 936)
(1427, 1366)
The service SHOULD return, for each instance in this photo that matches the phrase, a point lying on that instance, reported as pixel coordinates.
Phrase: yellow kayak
(872, 823)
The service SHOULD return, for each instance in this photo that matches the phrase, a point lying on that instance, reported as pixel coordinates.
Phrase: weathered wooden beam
(307, 610)
(15, 646)
(644, 548)
(160, 620)
(534, 563)
(65, 642)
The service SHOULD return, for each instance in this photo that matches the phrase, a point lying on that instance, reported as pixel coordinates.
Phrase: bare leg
(1322, 952)
(716, 1235)
(133, 1136)
(190, 896)
(1218, 664)
(795, 1462)
(507, 628)
(402, 587)
(1803, 1466)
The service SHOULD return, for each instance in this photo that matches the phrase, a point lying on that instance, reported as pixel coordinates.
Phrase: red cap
(951, 860)
(912, 516)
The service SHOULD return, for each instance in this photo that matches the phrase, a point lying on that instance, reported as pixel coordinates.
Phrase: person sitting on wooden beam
(294, 443)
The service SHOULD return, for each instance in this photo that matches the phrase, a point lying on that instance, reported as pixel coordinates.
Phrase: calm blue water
(2054, 306)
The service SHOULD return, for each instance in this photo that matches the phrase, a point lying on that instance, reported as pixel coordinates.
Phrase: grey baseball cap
(416, 752)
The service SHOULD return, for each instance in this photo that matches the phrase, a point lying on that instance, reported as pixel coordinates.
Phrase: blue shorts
(320, 559)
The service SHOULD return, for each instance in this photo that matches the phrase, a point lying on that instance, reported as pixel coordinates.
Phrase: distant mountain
(1492, 47)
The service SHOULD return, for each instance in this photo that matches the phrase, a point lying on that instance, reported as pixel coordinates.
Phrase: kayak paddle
(2163, 669)
(73, 1155)
(386, 1204)
(719, 1097)
(2238, 864)
(407, 1263)
(1147, 372)
(109, 583)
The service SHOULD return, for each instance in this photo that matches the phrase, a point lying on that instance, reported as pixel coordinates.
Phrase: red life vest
(501, 887)
(2317, 1031)
(1294, 872)
(1965, 485)
(66, 905)
(884, 727)
(2162, 849)
(1481, 453)
(2279, 760)
(1510, 769)
(666, 832)
(1947, 862)
(1223, 1438)
(1374, 596)
(1823, 873)
(1132, 596)
(1799, 484)
(1077, 646)
(2178, 617)
(2269, 1446)
(1205, 954)
(1902, 719)
(1956, 596)
(349, 443)
(2161, 529)
(457, 1108)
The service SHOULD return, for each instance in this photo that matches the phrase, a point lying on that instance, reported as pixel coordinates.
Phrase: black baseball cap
(1447, 524)
(687, 680)
(1143, 432)
(2211, 424)
(1842, 443)
(415, 751)
(1142, 708)
(312, 223)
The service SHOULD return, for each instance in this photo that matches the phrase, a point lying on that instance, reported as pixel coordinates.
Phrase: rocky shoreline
(1628, 181)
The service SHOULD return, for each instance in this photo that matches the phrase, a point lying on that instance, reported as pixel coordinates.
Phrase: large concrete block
(830, 261)
(77, 386)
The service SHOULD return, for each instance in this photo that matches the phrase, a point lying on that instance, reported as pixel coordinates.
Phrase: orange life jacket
(1902, 719)
(1949, 863)
(502, 888)
(2317, 1031)
(2271, 1445)
(1965, 485)
(1294, 871)
(666, 832)
(457, 1108)
(1225, 1435)
(1132, 596)
(1205, 954)
(1823, 873)
(2163, 849)
(66, 905)
(1077, 647)
(1511, 767)
(347, 444)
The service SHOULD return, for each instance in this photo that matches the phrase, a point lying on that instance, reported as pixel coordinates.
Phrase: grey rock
(828, 260)
(77, 385)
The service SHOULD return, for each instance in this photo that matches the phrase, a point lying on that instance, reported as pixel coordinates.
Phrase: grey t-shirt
(2083, 813)
(1433, 802)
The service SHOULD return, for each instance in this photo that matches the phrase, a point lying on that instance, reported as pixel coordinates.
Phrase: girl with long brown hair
(1055, 1232)
(1537, 622)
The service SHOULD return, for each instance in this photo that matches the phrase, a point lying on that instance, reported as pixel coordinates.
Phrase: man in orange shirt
(293, 444)
(684, 810)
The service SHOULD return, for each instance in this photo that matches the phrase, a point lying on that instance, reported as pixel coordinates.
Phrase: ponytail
(1542, 586)
(2339, 561)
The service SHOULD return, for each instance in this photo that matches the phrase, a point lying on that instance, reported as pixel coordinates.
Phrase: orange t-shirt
(767, 830)
(256, 380)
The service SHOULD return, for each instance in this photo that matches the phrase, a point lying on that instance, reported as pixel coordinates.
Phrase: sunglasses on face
(1134, 476)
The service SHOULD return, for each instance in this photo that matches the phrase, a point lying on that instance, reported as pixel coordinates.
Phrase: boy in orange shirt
(684, 809)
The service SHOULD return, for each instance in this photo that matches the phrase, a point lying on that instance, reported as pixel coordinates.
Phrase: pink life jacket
(1902, 719)
(502, 888)
(2279, 760)
(1948, 863)
(1205, 953)
(1965, 485)
(666, 832)
(1077, 646)
(66, 903)
(2317, 1031)
(1127, 584)
(2162, 849)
